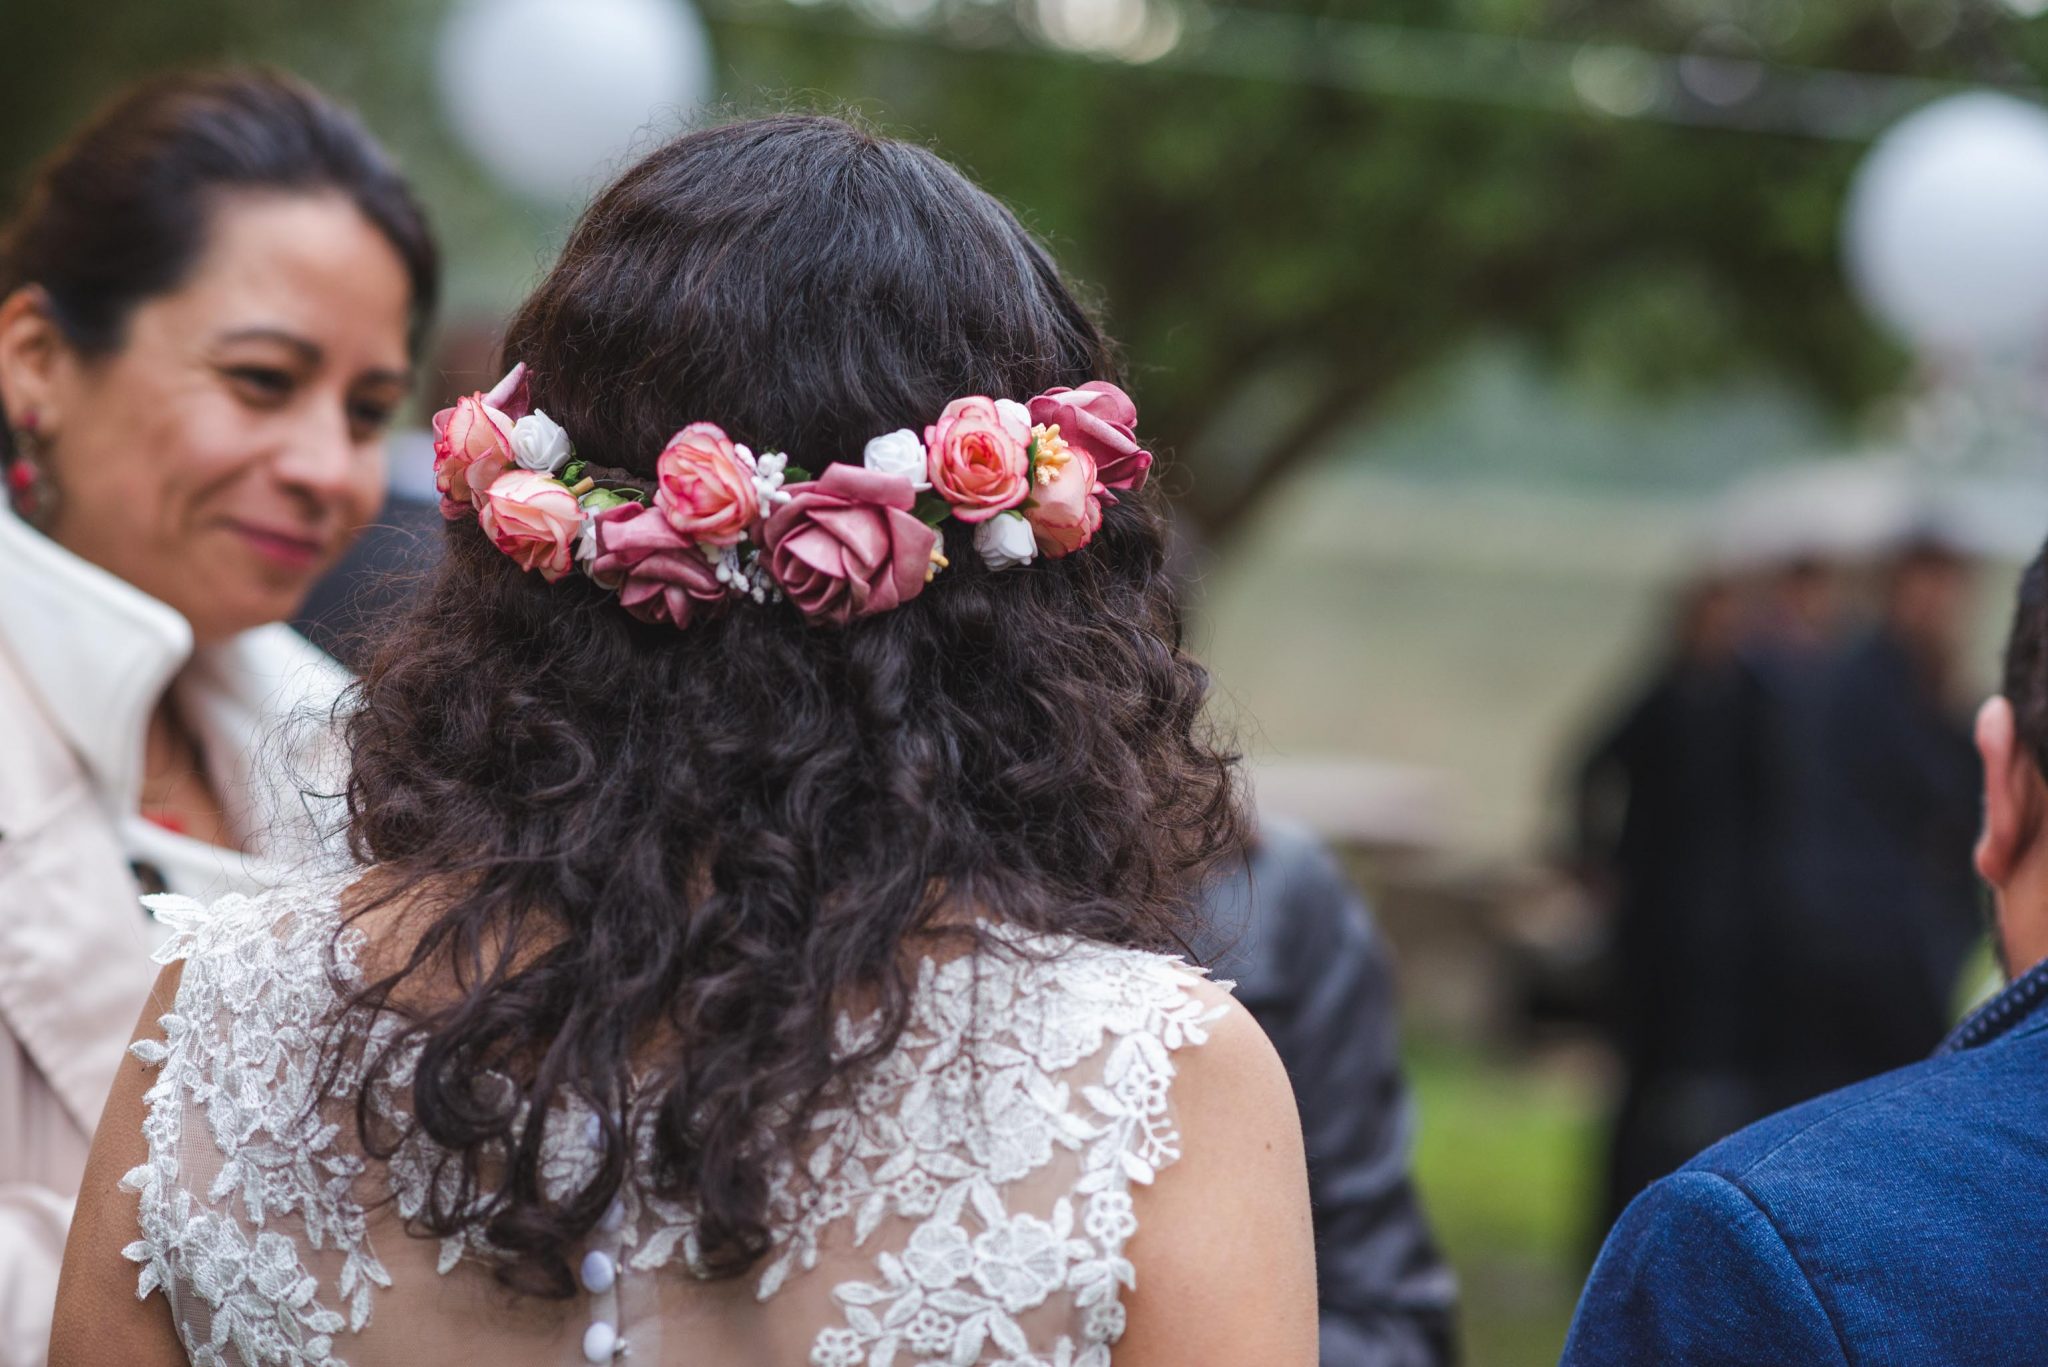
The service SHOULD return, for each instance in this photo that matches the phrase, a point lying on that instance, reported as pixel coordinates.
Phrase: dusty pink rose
(1098, 418)
(473, 441)
(662, 575)
(706, 488)
(1065, 513)
(979, 454)
(846, 545)
(533, 519)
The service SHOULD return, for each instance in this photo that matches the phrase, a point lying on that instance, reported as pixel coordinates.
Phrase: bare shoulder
(1224, 1251)
(1236, 1074)
(99, 1318)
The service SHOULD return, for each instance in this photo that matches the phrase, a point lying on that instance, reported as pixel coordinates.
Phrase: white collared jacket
(85, 658)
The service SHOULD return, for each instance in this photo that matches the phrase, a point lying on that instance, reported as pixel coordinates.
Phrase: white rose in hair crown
(1006, 541)
(899, 453)
(539, 443)
(719, 524)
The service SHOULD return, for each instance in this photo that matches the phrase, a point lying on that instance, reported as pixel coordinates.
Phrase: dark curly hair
(649, 866)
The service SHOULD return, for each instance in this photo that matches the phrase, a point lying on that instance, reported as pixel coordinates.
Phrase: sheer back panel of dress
(965, 1201)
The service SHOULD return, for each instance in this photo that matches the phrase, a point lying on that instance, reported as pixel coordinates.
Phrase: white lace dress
(967, 1202)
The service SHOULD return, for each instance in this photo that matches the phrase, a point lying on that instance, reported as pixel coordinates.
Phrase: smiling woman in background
(209, 306)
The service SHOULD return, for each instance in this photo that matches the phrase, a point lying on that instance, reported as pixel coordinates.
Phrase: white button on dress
(598, 1272)
(600, 1341)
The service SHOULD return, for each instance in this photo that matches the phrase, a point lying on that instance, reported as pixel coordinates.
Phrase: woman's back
(967, 1199)
(692, 747)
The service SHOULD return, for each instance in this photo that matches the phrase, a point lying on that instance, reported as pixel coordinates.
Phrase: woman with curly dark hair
(771, 858)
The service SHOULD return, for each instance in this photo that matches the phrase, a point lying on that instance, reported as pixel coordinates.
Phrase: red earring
(29, 486)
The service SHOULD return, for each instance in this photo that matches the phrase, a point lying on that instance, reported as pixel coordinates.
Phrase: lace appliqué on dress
(238, 1051)
(1011, 1060)
(972, 1101)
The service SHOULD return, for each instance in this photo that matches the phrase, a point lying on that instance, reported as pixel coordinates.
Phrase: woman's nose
(323, 459)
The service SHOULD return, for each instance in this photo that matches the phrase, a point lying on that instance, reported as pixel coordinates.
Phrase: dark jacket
(1899, 1221)
(1308, 964)
(356, 602)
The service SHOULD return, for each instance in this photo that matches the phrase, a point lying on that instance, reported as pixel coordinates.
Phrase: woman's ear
(32, 354)
(2012, 795)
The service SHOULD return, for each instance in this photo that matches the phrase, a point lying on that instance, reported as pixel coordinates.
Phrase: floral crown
(723, 523)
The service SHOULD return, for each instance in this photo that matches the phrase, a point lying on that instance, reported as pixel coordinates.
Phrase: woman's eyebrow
(309, 352)
(401, 379)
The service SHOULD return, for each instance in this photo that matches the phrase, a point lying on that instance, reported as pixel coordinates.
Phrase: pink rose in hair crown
(533, 519)
(663, 576)
(1066, 509)
(979, 451)
(846, 545)
(1098, 418)
(706, 486)
(473, 441)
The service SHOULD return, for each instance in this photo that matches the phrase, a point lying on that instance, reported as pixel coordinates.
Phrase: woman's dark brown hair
(656, 863)
(119, 214)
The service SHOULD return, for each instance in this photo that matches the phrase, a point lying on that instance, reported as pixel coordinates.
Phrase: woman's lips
(283, 549)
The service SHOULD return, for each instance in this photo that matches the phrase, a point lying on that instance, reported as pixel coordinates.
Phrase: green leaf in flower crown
(572, 472)
(932, 510)
(796, 474)
(607, 498)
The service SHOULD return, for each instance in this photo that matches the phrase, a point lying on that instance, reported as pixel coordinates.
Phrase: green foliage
(1238, 228)
(1276, 255)
(1506, 1160)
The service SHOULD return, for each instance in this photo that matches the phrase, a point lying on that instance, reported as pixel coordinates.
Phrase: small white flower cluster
(745, 575)
(768, 475)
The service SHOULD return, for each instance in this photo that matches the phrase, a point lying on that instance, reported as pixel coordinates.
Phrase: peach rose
(1065, 512)
(661, 574)
(979, 454)
(846, 545)
(1098, 418)
(533, 519)
(706, 486)
(473, 441)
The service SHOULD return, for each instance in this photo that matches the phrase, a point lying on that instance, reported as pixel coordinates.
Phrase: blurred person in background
(208, 307)
(1866, 807)
(1791, 643)
(1885, 913)
(1777, 827)
(1665, 841)
(1900, 1220)
(1289, 930)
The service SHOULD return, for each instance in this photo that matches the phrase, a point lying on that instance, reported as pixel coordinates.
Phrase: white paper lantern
(550, 94)
(1946, 231)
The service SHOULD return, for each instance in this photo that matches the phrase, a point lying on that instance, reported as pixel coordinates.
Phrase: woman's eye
(372, 417)
(261, 384)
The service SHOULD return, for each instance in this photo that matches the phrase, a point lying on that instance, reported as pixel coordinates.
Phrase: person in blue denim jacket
(1901, 1220)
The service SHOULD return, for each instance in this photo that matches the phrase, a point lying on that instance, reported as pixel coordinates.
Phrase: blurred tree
(1276, 254)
